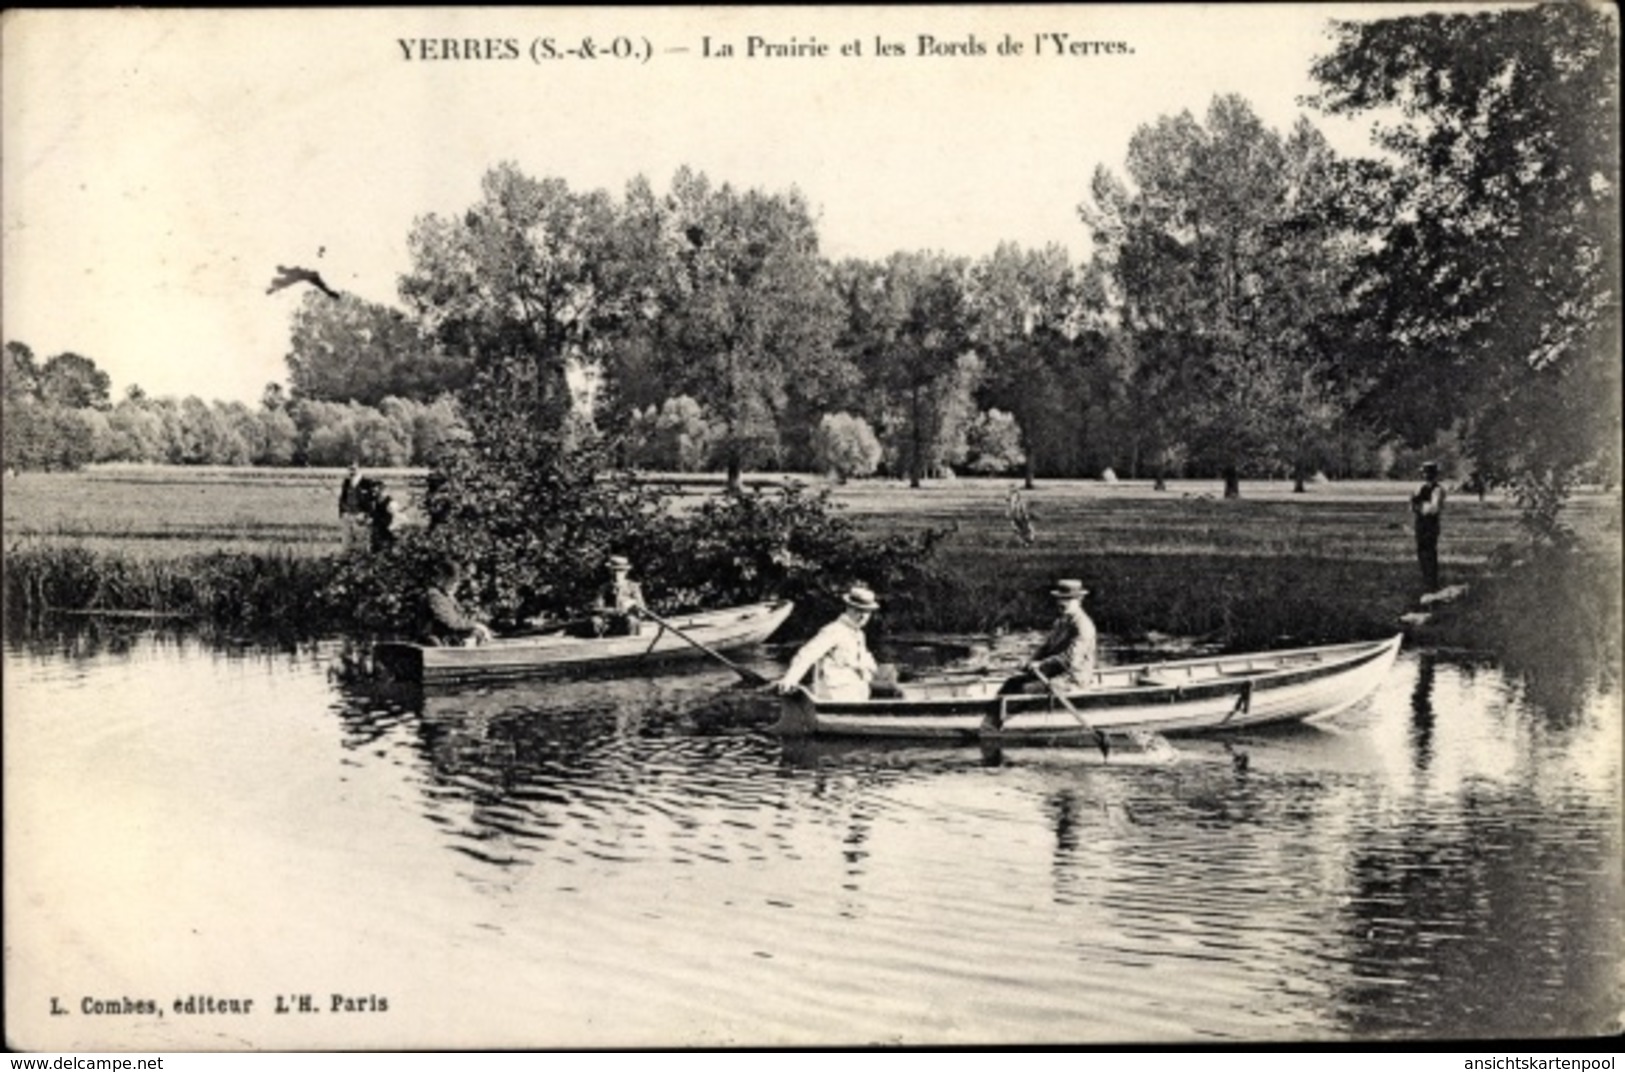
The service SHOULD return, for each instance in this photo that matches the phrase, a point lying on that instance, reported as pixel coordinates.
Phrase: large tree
(1228, 265)
(747, 318)
(19, 375)
(351, 350)
(74, 382)
(529, 287)
(521, 286)
(907, 330)
(1027, 310)
(1491, 292)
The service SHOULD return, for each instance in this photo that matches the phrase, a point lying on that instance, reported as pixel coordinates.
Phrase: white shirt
(839, 656)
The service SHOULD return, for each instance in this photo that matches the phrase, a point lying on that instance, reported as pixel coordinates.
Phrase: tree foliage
(908, 326)
(846, 446)
(1228, 267)
(747, 321)
(1490, 293)
(352, 350)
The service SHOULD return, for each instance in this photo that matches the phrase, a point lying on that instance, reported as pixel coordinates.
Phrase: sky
(159, 165)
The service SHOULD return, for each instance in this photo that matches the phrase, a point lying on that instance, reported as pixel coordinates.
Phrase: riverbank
(257, 551)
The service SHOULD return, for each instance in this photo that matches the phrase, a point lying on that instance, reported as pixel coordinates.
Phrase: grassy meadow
(1336, 562)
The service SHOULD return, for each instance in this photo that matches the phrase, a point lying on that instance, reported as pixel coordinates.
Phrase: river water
(637, 863)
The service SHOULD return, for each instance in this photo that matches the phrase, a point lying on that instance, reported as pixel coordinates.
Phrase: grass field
(1333, 562)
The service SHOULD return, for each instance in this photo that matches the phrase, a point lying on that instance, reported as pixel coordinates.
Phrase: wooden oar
(1146, 739)
(750, 676)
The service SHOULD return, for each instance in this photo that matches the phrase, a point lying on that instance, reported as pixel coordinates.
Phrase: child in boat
(1066, 658)
(838, 655)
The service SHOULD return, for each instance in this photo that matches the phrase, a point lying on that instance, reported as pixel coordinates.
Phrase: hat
(859, 597)
(1430, 465)
(619, 562)
(1069, 588)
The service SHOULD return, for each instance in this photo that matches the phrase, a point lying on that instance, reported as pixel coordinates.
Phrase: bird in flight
(287, 277)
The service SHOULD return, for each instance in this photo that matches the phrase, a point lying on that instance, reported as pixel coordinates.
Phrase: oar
(750, 676)
(1100, 738)
(1146, 739)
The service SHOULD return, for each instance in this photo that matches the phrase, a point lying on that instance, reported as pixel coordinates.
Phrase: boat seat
(1147, 679)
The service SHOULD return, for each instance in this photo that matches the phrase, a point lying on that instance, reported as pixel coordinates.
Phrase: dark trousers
(1016, 685)
(1427, 556)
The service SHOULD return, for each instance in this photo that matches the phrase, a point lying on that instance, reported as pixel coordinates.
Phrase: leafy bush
(742, 546)
(846, 446)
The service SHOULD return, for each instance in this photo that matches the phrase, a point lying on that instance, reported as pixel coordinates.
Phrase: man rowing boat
(1066, 658)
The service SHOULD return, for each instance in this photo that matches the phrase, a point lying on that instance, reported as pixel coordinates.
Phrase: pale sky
(158, 165)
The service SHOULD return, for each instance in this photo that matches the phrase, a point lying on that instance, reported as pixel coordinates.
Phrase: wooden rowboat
(678, 637)
(1182, 697)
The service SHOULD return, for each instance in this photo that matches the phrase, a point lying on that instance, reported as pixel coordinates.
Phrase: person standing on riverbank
(352, 510)
(1066, 658)
(838, 656)
(1427, 505)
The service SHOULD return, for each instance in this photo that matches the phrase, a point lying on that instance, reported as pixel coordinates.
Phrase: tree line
(59, 415)
(1253, 304)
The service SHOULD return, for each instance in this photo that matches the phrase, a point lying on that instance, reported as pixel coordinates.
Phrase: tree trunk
(917, 462)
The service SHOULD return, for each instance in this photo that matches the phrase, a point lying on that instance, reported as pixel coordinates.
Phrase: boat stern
(798, 715)
(398, 661)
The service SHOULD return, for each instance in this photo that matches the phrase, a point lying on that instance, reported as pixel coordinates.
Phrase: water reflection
(1422, 712)
(1444, 860)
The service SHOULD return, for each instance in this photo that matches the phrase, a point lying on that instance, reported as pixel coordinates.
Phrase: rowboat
(1181, 697)
(699, 635)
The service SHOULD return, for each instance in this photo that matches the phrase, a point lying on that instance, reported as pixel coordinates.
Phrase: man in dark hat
(1066, 658)
(838, 655)
(1427, 505)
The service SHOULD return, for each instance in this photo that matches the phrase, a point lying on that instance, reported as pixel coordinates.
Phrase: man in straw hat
(1428, 507)
(620, 602)
(839, 655)
(1067, 655)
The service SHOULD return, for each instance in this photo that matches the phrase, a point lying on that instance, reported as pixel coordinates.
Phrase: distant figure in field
(448, 623)
(1066, 658)
(1020, 518)
(1427, 505)
(287, 277)
(620, 601)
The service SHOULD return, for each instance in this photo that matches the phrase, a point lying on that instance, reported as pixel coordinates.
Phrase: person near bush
(382, 519)
(353, 510)
(838, 656)
(448, 623)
